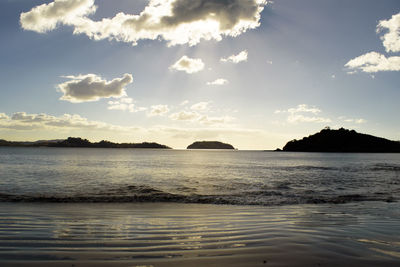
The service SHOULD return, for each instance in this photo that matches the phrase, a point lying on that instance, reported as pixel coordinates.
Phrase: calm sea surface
(196, 176)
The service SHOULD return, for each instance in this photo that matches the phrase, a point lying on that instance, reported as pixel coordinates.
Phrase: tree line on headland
(79, 142)
(342, 140)
(327, 140)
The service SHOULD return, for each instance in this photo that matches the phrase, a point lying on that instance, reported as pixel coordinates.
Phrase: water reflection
(155, 231)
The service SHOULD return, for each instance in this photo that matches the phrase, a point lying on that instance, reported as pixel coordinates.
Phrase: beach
(173, 234)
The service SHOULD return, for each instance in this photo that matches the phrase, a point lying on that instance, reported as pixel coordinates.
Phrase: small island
(79, 142)
(210, 145)
(342, 140)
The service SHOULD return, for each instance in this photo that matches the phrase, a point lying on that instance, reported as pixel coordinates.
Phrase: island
(79, 142)
(342, 140)
(210, 145)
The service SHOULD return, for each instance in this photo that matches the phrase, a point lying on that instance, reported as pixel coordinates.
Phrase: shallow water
(171, 234)
(196, 176)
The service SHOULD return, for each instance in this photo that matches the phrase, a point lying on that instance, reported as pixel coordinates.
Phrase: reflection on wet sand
(168, 234)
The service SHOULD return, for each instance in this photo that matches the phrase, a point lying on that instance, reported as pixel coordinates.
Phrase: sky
(252, 73)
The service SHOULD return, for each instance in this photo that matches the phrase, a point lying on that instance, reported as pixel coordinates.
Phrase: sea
(234, 177)
(160, 207)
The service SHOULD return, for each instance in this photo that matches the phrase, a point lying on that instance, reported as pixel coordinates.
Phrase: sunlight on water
(220, 177)
(154, 231)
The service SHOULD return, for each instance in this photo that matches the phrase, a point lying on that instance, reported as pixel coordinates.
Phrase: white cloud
(350, 120)
(126, 100)
(192, 116)
(391, 40)
(304, 108)
(46, 17)
(359, 121)
(374, 62)
(176, 21)
(90, 87)
(183, 103)
(189, 65)
(208, 120)
(3, 116)
(125, 104)
(301, 113)
(184, 116)
(242, 56)
(296, 118)
(218, 82)
(201, 106)
(158, 110)
(24, 121)
(307, 114)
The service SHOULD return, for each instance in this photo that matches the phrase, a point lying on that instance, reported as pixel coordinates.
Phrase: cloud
(296, 118)
(374, 62)
(242, 56)
(184, 103)
(192, 116)
(90, 87)
(218, 82)
(158, 110)
(3, 116)
(189, 65)
(208, 120)
(46, 17)
(306, 114)
(125, 104)
(24, 121)
(176, 21)
(391, 40)
(184, 116)
(301, 114)
(198, 114)
(304, 108)
(201, 106)
(359, 121)
(349, 120)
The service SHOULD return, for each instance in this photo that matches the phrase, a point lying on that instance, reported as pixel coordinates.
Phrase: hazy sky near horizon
(252, 73)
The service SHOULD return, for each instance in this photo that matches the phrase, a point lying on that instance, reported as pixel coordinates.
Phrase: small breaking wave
(386, 167)
(261, 198)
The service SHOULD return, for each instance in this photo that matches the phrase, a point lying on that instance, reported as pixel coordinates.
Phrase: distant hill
(79, 142)
(342, 140)
(209, 145)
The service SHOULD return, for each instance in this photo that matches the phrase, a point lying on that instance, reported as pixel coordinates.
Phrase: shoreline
(171, 234)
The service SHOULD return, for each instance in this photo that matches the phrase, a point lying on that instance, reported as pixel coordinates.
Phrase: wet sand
(169, 234)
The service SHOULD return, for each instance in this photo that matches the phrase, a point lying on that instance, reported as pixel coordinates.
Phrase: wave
(262, 198)
(347, 168)
(386, 167)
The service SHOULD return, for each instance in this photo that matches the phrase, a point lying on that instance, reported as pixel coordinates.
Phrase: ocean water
(157, 208)
(196, 176)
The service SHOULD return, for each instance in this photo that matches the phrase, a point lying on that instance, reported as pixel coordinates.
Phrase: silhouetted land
(342, 140)
(79, 142)
(209, 145)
